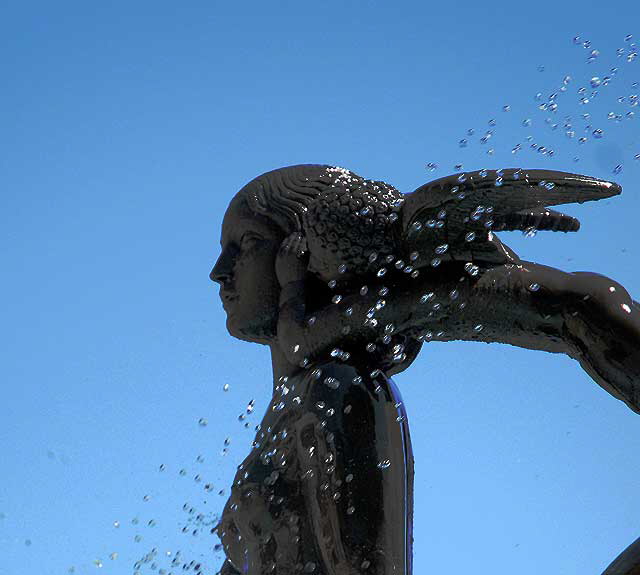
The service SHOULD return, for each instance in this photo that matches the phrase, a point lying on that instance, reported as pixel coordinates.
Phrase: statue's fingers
(505, 192)
(537, 219)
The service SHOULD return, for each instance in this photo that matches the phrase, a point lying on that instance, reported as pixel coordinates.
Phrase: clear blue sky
(126, 128)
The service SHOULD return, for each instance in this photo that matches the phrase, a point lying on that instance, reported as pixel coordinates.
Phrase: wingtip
(614, 188)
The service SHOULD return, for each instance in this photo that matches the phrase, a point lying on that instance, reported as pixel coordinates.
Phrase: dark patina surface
(345, 279)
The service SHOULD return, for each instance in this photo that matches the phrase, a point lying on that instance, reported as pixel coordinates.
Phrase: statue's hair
(285, 194)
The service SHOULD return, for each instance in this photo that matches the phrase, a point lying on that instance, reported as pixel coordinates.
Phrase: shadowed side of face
(245, 270)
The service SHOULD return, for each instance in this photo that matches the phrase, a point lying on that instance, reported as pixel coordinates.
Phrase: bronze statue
(345, 279)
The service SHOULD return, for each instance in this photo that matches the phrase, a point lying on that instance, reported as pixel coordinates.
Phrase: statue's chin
(253, 334)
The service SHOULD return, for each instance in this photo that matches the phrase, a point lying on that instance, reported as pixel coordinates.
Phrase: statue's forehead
(239, 218)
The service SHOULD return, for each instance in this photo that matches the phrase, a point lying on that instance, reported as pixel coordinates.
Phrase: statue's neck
(281, 366)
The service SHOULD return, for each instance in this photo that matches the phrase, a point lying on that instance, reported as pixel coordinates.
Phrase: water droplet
(202, 422)
(381, 272)
(332, 284)
(534, 287)
(595, 82)
(469, 236)
(432, 167)
(384, 464)
(478, 327)
(463, 143)
(435, 262)
(311, 320)
(336, 299)
(225, 387)
(526, 123)
(427, 297)
(342, 268)
(351, 510)
(364, 290)
(498, 182)
(617, 169)
(506, 108)
(598, 133)
(442, 249)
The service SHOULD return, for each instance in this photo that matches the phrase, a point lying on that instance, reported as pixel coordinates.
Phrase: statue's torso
(328, 486)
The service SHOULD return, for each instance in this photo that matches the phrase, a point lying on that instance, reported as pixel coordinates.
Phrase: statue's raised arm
(446, 276)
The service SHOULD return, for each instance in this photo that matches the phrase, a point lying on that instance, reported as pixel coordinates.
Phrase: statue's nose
(222, 270)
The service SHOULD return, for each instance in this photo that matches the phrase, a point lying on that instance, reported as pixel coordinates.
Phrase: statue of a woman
(345, 279)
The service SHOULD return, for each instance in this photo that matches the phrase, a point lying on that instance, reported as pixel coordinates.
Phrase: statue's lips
(228, 298)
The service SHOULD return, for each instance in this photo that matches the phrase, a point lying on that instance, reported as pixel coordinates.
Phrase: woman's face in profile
(245, 270)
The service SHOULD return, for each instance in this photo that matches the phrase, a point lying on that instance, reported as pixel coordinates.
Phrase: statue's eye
(250, 239)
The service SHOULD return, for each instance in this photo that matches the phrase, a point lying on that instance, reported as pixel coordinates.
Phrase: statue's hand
(292, 260)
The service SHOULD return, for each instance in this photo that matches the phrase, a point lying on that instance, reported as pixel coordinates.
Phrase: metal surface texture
(345, 279)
